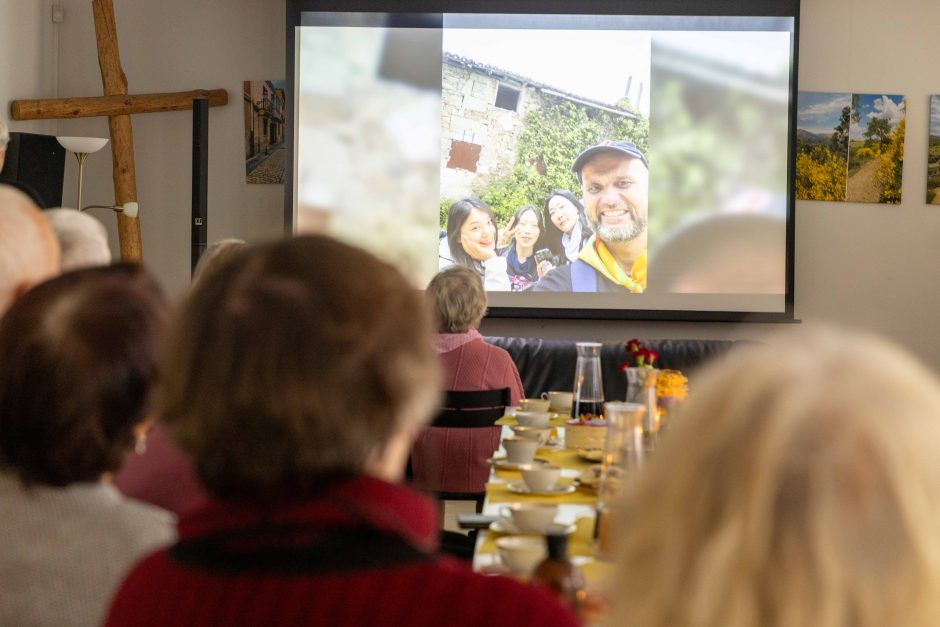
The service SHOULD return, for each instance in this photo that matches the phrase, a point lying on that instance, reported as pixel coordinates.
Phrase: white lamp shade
(83, 144)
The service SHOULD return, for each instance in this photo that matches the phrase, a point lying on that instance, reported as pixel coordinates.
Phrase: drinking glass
(625, 451)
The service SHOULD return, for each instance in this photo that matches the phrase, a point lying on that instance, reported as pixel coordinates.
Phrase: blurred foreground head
(29, 251)
(79, 356)
(294, 362)
(800, 486)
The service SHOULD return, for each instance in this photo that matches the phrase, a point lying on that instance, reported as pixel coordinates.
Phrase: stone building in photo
(482, 116)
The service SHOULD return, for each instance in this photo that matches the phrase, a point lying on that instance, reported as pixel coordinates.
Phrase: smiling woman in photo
(471, 241)
(568, 228)
(522, 266)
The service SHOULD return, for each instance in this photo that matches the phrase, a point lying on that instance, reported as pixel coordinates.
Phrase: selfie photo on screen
(579, 162)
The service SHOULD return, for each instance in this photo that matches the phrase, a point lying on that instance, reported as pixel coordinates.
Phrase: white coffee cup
(540, 477)
(521, 554)
(533, 418)
(559, 401)
(533, 404)
(530, 517)
(532, 433)
(520, 450)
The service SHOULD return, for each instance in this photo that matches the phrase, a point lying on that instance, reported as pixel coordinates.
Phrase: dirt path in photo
(936, 196)
(863, 186)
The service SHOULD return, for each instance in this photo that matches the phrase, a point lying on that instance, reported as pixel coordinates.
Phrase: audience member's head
(79, 354)
(29, 251)
(217, 254)
(800, 485)
(457, 299)
(4, 140)
(296, 362)
(82, 238)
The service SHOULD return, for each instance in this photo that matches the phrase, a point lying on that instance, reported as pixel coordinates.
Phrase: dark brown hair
(296, 361)
(79, 354)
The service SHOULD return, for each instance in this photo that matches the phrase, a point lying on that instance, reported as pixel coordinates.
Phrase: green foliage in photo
(552, 138)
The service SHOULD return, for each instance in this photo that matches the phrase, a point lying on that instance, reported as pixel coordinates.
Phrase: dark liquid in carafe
(587, 410)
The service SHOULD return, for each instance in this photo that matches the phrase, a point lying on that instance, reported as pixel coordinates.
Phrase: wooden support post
(122, 136)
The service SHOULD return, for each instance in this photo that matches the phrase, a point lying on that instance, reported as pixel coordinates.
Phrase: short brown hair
(79, 354)
(458, 299)
(295, 361)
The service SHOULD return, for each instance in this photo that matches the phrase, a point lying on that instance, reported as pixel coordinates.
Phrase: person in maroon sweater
(448, 459)
(308, 524)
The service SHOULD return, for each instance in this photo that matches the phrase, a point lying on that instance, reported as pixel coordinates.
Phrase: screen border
(766, 8)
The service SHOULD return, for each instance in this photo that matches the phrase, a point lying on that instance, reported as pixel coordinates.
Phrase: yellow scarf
(601, 259)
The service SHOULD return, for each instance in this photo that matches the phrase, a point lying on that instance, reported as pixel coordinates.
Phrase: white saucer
(590, 478)
(591, 454)
(520, 487)
(501, 463)
(507, 527)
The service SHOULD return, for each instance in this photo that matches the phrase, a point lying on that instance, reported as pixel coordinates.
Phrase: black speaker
(200, 230)
(36, 165)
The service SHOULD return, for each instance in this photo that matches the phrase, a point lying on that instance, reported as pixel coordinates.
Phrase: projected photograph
(574, 162)
(368, 142)
(850, 147)
(518, 107)
(933, 153)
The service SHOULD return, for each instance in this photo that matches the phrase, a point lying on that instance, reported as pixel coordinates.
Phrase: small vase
(641, 388)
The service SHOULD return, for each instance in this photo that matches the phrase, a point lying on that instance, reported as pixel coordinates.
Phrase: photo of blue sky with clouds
(818, 112)
(874, 106)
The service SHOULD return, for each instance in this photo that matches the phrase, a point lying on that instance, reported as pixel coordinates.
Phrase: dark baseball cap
(625, 148)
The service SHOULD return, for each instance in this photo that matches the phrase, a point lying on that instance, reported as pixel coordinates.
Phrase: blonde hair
(458, 299)
(800, 486)
(216, 255)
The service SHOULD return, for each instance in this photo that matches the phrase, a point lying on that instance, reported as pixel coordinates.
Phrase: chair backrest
(472, 409)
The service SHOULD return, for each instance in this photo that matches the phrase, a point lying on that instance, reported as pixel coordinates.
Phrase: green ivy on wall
(551, 139)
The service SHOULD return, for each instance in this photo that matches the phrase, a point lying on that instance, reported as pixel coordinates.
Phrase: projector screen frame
(768, 8)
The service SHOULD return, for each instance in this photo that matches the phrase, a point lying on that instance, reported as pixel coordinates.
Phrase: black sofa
(549, 364)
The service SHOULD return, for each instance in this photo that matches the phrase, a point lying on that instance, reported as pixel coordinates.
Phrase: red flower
(634, 346)
(624, 365)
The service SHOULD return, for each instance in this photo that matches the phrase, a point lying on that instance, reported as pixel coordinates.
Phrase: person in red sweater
(296, 378)
(446, 459)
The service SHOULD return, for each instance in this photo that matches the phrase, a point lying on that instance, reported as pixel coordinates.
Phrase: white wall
(172, 45)
(28, 69)
(872, 266)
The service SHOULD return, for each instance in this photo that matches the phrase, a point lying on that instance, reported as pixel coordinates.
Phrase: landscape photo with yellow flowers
(849, 147)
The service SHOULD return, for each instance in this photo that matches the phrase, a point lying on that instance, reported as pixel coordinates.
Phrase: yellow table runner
(500, 493)
(580, 543)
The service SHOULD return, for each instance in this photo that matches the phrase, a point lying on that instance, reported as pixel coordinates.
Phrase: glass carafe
(625, 449)
(588, 386)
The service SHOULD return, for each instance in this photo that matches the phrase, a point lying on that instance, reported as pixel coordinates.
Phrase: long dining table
(577, 508)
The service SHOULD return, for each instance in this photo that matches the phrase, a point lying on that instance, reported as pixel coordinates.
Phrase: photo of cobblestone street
(267, 168)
